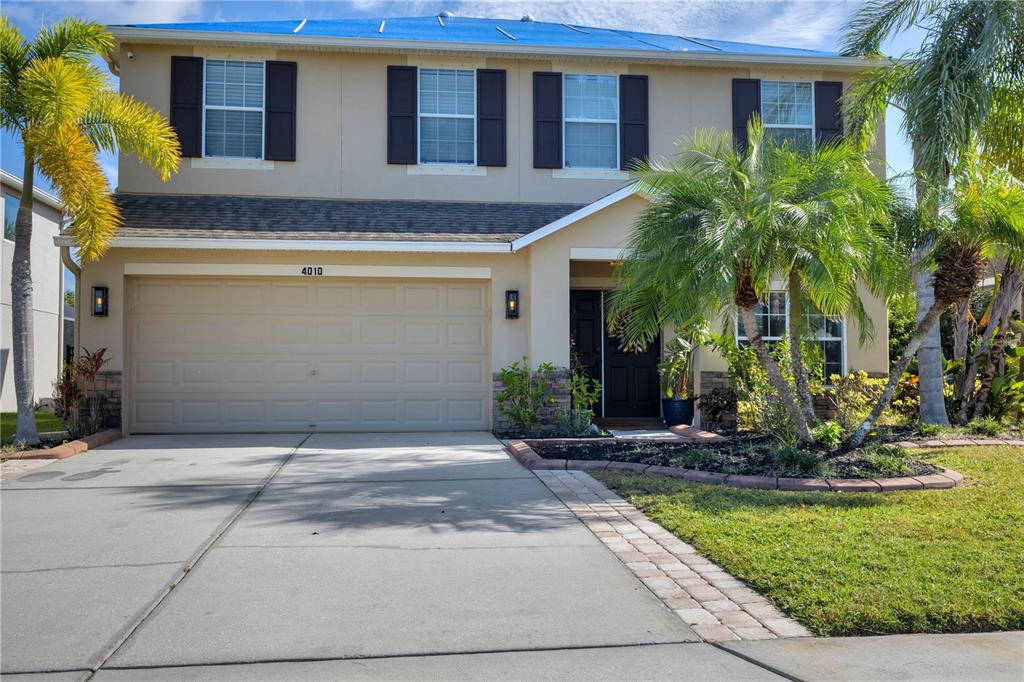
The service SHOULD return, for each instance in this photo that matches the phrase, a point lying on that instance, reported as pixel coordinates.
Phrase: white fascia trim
(608, 253)
(294, 41)
(565, 221)
(37, 194)
(295, 270)
(298, 245)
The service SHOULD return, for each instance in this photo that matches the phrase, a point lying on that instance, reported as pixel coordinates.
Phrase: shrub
(829, 434)
(78, 411)
(715, 405)
(986, 426)
(525, 394)
(928, 430)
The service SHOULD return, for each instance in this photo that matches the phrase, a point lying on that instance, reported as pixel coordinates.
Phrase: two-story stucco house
(48, 318)
(373, 216)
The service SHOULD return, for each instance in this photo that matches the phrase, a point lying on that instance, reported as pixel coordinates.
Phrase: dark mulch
(747, 456)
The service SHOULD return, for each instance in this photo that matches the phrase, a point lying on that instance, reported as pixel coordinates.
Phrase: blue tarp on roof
(486, 31)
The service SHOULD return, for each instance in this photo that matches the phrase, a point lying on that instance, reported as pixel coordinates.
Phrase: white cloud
(30, 15)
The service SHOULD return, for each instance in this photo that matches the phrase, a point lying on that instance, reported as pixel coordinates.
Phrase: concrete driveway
(321, 556)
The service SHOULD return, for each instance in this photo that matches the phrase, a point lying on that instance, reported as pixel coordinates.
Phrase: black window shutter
(828, 113)
(187, 103)
(279, 134)
(547, 120)
(746, 100)
(490, 117)
(633, 127)
(402, 114)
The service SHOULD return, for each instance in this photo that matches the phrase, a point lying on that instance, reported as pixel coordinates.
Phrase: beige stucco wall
(47, 305)
(341, 126)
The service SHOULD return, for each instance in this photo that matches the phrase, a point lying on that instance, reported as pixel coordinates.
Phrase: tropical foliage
(65, 111)
(725, 225)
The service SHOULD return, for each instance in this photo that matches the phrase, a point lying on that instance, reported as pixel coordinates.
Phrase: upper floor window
(11, 204)
(773, 316)
(233, 116)
(787, 112)
(447, 115)
(591, 120)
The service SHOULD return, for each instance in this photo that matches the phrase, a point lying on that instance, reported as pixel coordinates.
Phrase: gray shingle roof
(234, 217)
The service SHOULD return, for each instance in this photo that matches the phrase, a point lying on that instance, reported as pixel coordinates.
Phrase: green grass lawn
(45, 421)
(854, 564)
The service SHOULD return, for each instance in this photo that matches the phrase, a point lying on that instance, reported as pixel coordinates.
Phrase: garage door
(208, 355)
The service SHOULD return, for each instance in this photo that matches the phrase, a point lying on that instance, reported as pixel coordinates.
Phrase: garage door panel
(351, 355)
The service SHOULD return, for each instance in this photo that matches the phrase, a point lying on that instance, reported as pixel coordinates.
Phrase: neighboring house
(47, 292)
(362, 201)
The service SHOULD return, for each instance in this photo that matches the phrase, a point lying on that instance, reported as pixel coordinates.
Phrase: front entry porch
(629, 380)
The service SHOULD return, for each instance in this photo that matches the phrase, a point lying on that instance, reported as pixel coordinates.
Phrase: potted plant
(675, 368)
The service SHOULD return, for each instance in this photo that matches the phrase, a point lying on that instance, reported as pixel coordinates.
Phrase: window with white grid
(590, 106)
(787, 112)
(233, 123)
(447, 116)
(772, 317)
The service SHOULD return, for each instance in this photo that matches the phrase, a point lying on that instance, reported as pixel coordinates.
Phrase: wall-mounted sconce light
(100, 301)
(512, 304)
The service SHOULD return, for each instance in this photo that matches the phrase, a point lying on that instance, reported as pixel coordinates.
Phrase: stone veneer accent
(107, 387)
(549, 417)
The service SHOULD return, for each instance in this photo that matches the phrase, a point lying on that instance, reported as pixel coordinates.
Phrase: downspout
(70, 264)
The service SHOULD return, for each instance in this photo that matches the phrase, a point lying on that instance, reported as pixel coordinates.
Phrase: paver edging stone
(83, 444)
(526, 456)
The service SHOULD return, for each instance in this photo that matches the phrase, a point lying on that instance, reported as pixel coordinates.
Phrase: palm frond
(72, 39)
(119, 123)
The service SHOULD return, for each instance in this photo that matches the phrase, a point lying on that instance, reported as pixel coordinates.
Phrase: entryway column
(548, 301)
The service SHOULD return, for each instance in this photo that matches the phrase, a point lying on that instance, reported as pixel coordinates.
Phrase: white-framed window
(787, 112)
(590, 120)
(233, 109)
(11, 204)
(447, 116)
(772, 317)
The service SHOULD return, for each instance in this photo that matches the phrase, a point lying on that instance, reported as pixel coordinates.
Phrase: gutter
(128, 34)
(233, 244)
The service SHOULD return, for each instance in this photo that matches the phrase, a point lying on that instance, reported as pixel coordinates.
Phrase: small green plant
(715, 405)
(829, 434)
(525, 394)
(792, 460)
(697, 458)
(584, 392)
(677, 363)
(887, 460)
(986, 426)
(928, 430)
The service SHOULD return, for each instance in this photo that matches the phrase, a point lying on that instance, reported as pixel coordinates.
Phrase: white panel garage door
(208, 355)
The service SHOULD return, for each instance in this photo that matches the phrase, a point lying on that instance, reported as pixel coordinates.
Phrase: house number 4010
(313, 270)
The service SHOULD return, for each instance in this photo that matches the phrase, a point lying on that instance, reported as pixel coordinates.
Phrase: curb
(71, 448)
(947, 478)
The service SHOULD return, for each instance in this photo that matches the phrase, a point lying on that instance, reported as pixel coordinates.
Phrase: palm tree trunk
(796, 352)
(961, 328)
(929, 357)
(778, 382)
(21, 311)
(1010, 290)
(930, 320)
(1006, 297)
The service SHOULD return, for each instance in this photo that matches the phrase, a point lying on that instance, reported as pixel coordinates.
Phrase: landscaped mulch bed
(741, 455)
(69, 449)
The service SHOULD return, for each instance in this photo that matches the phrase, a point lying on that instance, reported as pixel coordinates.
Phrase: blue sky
(815, 24)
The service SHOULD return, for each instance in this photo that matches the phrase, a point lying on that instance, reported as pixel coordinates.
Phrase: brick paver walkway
(717, 606)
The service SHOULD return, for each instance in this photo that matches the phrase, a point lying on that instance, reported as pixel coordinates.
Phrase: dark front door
(630, 380)
(585, 329)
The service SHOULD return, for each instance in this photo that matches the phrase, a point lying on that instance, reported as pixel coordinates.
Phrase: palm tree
(725, 227)
(65, 112)
(981, 217)
(966, 78)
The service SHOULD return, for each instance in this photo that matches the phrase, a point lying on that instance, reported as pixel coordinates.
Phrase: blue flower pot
(675, 411)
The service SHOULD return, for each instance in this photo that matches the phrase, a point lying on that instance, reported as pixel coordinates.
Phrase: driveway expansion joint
(714, 604)
(188, 568)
